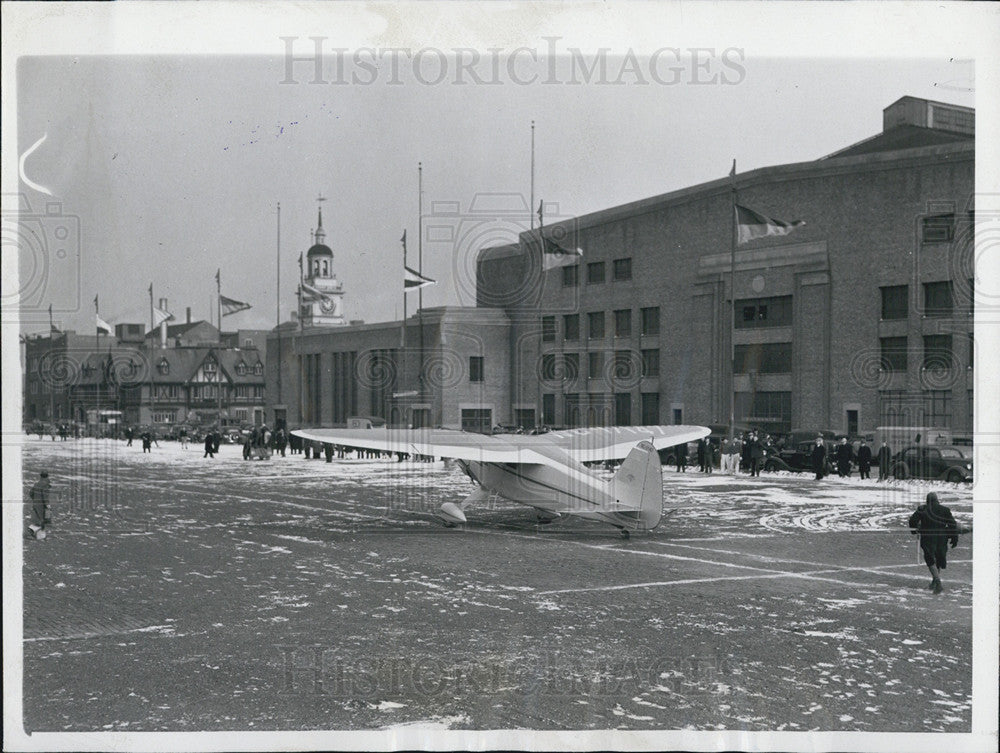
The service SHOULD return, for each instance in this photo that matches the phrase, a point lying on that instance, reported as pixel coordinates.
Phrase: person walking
(864, 461)
(147, 442)
(184, 439)
(884, 458)
(702, 450)
(129, 433)
(844, 454)
(209, 444)
(818, 458)
(937, 528)
(39, 496)
(682, 457)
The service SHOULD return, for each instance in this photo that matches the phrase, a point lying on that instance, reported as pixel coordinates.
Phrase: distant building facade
(861, 318)
(185, 373)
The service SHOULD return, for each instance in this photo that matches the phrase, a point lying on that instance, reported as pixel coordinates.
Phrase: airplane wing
(615, 442)
(581, 445)
(445, 443)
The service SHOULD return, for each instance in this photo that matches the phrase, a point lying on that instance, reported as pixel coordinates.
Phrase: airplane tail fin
(638, 487)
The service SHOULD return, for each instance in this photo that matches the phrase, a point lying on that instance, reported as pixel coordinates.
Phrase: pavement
(177, 592)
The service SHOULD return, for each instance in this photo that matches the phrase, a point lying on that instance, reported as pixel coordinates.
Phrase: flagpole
(420, 267)
(531, 202)
(732, 305)
(277, 297)
(402, 324)
(218, 368)
(97, 327)
(152, 344)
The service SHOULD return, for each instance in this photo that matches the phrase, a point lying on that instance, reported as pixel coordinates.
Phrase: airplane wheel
(625, 534)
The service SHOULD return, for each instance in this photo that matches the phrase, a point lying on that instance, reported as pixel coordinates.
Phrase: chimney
(163, 324)
(188, 314)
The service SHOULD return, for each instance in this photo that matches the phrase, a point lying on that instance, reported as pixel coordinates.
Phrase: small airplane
(543, 471)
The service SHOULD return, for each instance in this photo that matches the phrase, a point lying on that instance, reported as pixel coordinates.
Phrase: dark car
(946, 462)
(797, 458)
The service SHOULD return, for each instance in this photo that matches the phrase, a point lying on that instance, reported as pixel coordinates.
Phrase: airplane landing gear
(625, 534)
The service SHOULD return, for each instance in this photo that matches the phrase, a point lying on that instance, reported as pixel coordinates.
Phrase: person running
(937, 528)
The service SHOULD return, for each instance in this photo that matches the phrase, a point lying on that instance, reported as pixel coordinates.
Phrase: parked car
(946, 462)
(797, 458)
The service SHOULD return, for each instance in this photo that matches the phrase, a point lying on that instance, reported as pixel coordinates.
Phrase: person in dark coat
(701, 454)
(328, 452)
(147, 441)
(756, 454)
(209, 445)
(884, 460)
(129, 433)
(280, 441)
(844, 454)
(682, 457)
(745, 452)
(247, 445)
(39, 496)
(864, 460)
(818, 457)
(937, 528)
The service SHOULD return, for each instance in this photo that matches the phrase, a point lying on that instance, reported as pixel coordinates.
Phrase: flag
(554, 255)
(218, 277)
(96, 308)
(414, 280)
(403, 241)
(313, 294)
(160, 316)
(53, 329)
(750, 225)
(231, 306)
(540, 223)
(102, 326)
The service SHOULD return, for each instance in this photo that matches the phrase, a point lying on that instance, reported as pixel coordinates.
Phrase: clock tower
(322, 293)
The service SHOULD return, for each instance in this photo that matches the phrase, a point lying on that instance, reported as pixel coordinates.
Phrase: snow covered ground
(292, 593)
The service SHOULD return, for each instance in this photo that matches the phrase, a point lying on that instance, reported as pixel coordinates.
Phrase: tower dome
(319, 248)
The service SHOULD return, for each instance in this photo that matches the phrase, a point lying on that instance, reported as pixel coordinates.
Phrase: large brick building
(862, 317)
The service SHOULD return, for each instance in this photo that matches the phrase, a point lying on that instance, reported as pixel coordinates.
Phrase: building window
(893, 353)
(548, 328)
(770, 411)
(937, 352)
(571, 409)
(623, 323)
(650, 408)
(621, 270)
(595, 273)
(241, 368)
(571, 366)
(898, 408)
(548, 367)
(163, 417)
(939, 228)
(754, 313)
(650, 320)
(623, 409)
(524, 417)
(595, 363)
(595, 325)
(571, 327)
(242, 414)
(938, 299)
(258, 391)
(895, 304)
(571, 276)
(209, 366)
(479, 420)
(163, 366)
(763, 358)
(937, 408)
(258, 369)
(248, 342)
(548, 409)
(650, 362)
(475, 368)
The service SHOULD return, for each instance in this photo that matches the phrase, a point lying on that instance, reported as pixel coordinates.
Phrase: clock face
(328, 305)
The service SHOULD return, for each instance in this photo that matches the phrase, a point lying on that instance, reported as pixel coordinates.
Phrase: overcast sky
(174, 164)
